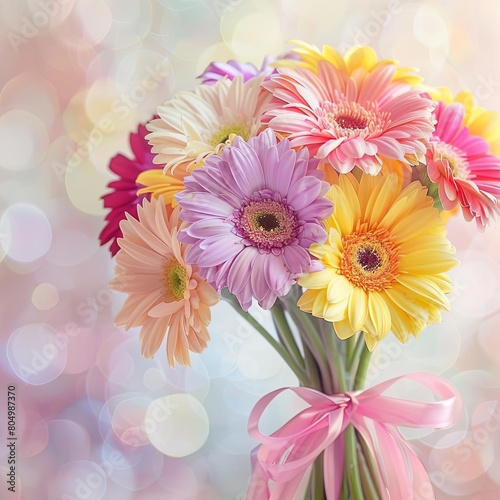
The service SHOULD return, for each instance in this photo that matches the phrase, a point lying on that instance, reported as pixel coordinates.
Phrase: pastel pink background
(94, 419)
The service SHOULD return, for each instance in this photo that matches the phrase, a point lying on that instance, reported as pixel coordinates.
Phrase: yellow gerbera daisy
(354, 58)
(384, 261)
(159, 184)
(480, 121)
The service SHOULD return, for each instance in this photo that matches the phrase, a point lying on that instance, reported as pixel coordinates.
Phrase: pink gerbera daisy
(461, 165)
(123, 198)
(350, 120)
(165, 294)
(253, 213)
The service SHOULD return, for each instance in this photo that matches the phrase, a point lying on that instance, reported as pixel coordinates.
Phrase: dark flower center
(351, 122)
(369, 259)
(351, 119)
(268, 221)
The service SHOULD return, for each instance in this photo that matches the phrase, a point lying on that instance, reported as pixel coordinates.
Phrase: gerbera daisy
(480, 121)
(460, 164)
(157, 183)
(352, 120)
(195, 125)
(216, 71)
(384, 261)
(355, 58)
(165, 294)
(123, 198)
(253, 213)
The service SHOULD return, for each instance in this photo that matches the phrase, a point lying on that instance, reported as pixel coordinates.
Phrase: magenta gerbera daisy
(123, 198)
(350, 120)
(253, 213)
(461, 165)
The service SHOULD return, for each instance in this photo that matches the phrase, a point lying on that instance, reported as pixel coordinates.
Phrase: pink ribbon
(285, 455)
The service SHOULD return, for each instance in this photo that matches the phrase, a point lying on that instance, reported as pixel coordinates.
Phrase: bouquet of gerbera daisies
(318, 186)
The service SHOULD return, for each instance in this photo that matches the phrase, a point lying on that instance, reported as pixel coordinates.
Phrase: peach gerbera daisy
(165, 294)
(385, 261)
(355, 58)
(349, 121)
(194, 125)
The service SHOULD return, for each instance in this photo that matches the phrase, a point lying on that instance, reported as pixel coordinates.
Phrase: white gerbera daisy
(197, 124)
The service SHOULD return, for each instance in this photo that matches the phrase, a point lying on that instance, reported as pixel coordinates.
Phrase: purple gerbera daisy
(123, 198)
(216, 71)
(253, 213)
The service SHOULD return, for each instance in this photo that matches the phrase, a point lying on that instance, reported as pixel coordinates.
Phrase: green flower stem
(369, 490)
(361, 479)
(311, 332)
(287, 338)
(371, 468)
(318, 480)
(357, 475)
(311, 339)
(336, 363)
(312, 369)
(351, 347)
(344, 492)
(313, 366)
(299, 372)
(355, 354)
(351, 464)
(364, 363)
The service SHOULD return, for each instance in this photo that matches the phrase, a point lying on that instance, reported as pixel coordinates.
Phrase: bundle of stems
(322, 361)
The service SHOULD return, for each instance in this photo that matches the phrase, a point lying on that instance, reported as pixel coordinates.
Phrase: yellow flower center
(455, 158)
(225, 136)
(175, 280)
(370, 260)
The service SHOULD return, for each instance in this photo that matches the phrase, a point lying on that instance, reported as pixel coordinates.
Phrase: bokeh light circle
(128, 420)
(37, 353)
(257, 360)
(177, 425)
(81, 479)
(45, 296)
(25, 232)
(23, 140)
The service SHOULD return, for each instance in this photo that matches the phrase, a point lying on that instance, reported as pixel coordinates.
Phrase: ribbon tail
(394, 482)
(334, 468)
(258, 489)
(288, 489)
(422, 484)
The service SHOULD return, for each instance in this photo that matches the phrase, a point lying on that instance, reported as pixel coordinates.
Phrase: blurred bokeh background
(97, 421)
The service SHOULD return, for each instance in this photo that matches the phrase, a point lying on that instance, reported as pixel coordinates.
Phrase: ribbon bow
(285, 455)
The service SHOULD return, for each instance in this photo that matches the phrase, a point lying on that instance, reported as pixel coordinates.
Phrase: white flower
(197, 124)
